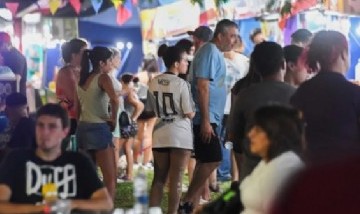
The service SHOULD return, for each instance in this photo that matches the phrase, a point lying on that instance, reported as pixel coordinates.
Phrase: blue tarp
(111, 33)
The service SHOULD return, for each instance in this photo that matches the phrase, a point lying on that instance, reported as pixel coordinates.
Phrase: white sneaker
(203, 201)
(136, 166)
(184, 188)
(149, 166)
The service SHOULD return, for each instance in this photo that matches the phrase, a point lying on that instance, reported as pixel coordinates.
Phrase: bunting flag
(208, 12)
(135, 2)
(76, 5)
(124, 12)
(96, 4)
(54, 5)
(12, 6)
(117, 3)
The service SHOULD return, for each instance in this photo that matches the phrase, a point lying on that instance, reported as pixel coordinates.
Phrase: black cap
(203, 33)
(15, 99)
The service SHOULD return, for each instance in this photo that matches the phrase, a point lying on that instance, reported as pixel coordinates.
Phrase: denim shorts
(93, 136)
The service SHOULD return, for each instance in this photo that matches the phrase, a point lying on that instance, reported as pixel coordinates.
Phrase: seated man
(24, 173)
(20, 131)
(21, 127)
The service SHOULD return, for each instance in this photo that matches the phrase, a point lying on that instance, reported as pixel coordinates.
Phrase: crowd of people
(269, 122)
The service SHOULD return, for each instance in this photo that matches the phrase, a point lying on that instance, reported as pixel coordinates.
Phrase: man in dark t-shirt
(20, 131)
(26, 174)
(268, 59)
(14, 59)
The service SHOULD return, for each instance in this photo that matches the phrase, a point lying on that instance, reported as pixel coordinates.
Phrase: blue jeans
(224, 170)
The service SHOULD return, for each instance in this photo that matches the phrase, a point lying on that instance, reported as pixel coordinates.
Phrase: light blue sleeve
(206, 64)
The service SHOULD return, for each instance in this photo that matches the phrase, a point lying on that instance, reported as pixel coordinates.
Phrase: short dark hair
(72, 47)
(54, 110)
(185, 44)
(253, 33)
(161, 50)
(301, 35)
(267, 58)
(15, 99)
(292, 53)
(172, 55)
(284, 127)
(127, 78)
(222, 26)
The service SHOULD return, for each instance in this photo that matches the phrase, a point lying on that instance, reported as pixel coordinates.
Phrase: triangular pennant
(117, 3)
(96, 4)
(54, 5)
(76, 5)
(12, 6)
(124, 12)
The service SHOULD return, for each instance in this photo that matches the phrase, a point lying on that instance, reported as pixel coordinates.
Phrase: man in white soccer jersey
(208, 88)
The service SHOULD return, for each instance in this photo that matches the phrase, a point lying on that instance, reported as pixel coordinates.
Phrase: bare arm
(9, 208)
(106, 84)
(138, 105)
(78, 106)
(66, 82)
(100, 200)
(190, 115)
(203, 96)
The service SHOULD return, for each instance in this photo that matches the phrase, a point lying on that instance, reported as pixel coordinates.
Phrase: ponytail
(95, 56)
(85, 68)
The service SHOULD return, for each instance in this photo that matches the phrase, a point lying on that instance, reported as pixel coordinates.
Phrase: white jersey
(236, 69)
(171, 99)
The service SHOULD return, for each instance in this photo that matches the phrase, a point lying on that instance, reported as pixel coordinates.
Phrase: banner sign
(169, 20)
(343, 6)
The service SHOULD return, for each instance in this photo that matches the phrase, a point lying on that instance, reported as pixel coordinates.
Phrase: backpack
(127, 127)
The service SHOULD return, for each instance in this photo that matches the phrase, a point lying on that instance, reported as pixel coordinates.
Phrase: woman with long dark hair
(96, 92)
(277, 137)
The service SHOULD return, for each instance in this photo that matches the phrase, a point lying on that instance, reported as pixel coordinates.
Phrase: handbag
(127, 127)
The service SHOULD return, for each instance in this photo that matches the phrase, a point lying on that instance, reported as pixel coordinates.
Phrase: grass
(124, 194)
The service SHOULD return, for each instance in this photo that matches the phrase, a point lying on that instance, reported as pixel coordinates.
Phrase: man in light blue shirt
(208, 72)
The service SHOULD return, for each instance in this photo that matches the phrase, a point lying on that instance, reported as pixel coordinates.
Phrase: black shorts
(207, 152)
(73, 126)
(146, 114)
(237, 147)
(166, 149)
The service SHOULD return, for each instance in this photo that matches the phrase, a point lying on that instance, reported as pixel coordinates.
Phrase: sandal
(185, 208)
